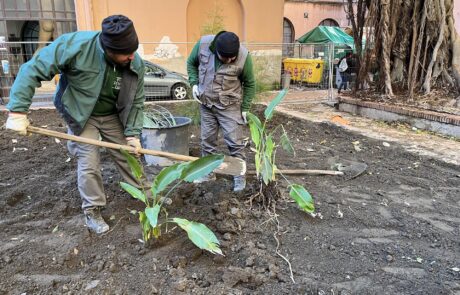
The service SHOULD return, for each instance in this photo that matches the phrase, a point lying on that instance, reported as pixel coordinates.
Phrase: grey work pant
(231, 123)
(90, 186)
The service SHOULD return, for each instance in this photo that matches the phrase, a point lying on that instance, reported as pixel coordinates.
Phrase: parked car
(162, 83)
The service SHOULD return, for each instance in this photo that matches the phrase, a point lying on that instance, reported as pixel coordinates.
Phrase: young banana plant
(265, 142)
(149, 218)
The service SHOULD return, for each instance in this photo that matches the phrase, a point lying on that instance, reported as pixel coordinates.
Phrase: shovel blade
(232, 166)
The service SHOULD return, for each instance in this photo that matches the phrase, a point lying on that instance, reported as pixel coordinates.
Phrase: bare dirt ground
(392, 230)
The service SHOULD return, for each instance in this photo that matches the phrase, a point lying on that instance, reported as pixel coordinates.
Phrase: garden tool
(303, 172)
(351, 169)
(231, 165)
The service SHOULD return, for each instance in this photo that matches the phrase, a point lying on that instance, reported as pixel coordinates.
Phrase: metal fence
(309, 67)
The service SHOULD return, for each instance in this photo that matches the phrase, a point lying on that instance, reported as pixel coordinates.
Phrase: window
(30, 34)
(329, 22)
(37, 9)
(152, 69)
(288, 37)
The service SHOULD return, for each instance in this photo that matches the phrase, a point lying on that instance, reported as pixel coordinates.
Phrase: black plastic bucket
(173, 140)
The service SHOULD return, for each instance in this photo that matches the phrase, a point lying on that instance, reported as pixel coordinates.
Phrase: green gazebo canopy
(324, 34)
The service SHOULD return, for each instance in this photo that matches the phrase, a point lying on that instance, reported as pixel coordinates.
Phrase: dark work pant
(231, 123)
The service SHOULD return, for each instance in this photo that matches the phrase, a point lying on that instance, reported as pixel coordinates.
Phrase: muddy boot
(94, 220)
(239, 183)
(209, 177)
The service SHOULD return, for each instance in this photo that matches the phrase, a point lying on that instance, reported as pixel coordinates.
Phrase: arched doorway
(203, 14)
(288, 37)
(30, 31)
(329, 22)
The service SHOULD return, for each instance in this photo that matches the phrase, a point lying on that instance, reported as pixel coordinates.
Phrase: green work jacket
(79, 58)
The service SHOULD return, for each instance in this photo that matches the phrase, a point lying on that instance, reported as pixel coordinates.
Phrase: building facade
(301, 16)
(167, 30)
(184, 21)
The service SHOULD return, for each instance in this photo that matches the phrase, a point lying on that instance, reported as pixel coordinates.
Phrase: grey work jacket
(219, 87)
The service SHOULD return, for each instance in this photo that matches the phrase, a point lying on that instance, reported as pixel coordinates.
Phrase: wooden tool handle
(109, 145)
(305, 172)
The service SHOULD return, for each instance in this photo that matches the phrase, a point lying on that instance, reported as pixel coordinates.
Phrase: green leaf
(201, 167)
(166, 177)
(134, 164)
(271, 107)
(152, 214)
(200, 235)
(302, 197)
(269, 146)
(267, 170)
(286, 143)
(133, 191)
(255, 126)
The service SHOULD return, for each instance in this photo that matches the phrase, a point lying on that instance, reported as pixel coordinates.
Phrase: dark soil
(392, 230)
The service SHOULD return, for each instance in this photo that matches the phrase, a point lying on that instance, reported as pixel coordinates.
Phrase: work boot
(94, 220)
(239, 183)
(209, 177)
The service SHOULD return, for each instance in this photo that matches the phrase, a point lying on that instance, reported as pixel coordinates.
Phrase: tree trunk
(417, 57)
(400, 37)
(411, 41)
(414, 41)
(455, 46)
(386, 48)
(427, 83)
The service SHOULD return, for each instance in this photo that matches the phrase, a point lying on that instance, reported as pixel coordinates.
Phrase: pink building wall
(457, 15)
(316, 12)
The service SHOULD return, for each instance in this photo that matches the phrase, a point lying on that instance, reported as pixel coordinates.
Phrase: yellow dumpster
(305, 70)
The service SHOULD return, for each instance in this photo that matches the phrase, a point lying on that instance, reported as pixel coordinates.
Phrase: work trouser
(231, 123)
(90, 186)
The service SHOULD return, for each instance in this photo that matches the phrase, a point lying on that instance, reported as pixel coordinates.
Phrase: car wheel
(179, 91)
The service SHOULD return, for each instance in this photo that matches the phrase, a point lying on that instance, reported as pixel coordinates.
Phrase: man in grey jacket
(100, 94)
(222, 79)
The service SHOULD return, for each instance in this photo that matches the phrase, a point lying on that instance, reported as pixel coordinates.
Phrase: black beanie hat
(118, 35)
(227, 44)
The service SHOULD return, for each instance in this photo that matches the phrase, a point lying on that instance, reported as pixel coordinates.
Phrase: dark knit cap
(118, 35)
(227, 44)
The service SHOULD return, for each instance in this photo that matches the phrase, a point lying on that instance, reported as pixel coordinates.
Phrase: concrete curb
(443, 123)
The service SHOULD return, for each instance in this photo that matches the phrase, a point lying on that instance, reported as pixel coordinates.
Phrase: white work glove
(195, 94)
(17, 122)
(244, 116)
(135, 143)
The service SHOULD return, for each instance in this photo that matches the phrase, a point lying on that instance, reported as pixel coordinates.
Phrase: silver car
(162, 83)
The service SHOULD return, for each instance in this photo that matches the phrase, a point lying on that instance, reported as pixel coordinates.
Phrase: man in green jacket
(100, 95)
(221, 75)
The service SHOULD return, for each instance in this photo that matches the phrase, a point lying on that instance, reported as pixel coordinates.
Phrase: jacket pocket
(230, 83)
(229, 98)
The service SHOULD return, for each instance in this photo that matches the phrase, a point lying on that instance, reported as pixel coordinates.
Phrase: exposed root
(265, 196)
(275, 217)
(113, 227)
